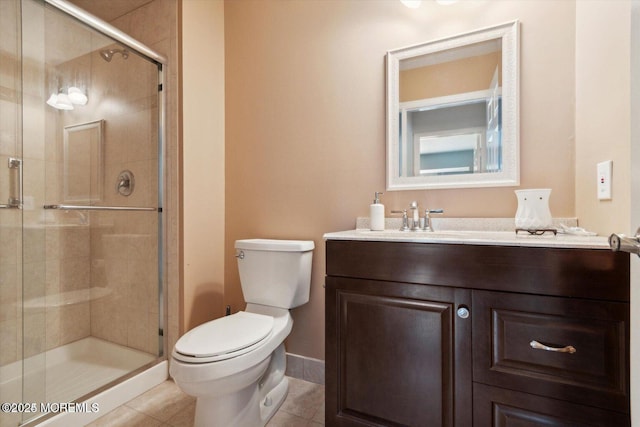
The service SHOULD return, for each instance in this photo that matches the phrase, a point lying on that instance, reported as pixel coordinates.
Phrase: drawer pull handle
(567, 349)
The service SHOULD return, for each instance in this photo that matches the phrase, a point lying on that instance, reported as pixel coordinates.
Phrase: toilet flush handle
(240, 255)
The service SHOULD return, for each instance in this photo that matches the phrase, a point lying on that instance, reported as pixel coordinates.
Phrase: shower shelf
(63, 299)
(102, 208)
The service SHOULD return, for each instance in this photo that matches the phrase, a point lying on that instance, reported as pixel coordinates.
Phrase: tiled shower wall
(121, 270)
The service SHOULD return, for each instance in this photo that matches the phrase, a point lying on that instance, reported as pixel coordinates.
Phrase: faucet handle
(427, 218)
(435, 211)
(405, 221)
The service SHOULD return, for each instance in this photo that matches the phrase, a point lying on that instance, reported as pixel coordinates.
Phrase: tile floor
(167, 406)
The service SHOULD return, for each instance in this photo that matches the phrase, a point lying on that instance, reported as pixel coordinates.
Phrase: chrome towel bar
(100, 208)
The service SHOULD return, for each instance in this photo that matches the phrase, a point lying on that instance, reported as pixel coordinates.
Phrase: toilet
(235, 365)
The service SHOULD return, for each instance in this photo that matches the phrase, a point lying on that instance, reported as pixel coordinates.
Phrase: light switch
(604, 180)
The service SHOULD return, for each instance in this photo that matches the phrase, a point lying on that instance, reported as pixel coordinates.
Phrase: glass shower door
(80, 209)
(10, 215)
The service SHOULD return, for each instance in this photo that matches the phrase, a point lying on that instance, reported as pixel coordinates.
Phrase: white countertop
(469, 237)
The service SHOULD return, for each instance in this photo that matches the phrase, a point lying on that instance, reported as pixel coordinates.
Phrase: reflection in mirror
(82, 174)
(452, 111)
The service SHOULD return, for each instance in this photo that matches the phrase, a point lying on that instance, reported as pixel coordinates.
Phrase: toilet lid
(225, 337)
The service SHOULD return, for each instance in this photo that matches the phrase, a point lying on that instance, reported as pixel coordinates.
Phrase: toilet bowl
(235, 365)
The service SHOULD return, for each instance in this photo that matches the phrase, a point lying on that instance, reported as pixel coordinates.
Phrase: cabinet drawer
(495, 407)
(580, 273)
(591, 369)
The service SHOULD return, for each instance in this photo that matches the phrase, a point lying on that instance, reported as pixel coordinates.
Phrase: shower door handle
(15, 184)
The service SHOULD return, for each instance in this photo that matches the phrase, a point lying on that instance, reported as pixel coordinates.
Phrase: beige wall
(203, 167)
(603, 112)
(305, 127)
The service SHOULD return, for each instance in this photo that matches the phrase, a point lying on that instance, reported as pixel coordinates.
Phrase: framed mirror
(82, 166)
(453, 111)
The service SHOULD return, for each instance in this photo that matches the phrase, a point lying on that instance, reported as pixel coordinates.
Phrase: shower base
(69, 372)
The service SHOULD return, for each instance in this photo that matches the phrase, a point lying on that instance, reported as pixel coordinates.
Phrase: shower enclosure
(81, 230)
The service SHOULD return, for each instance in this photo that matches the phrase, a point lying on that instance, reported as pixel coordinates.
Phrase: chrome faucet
(427, 218)
(415, 225)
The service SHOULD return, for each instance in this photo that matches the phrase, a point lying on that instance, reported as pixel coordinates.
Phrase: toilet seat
(224, 338)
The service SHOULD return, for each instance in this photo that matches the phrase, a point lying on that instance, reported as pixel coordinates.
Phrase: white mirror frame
(510, 173)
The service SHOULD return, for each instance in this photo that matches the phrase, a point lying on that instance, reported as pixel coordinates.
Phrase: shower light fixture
(60, 101)
(76, 96)
(65, 101)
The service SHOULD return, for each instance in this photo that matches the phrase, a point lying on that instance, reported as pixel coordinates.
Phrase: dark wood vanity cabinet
(459, 335)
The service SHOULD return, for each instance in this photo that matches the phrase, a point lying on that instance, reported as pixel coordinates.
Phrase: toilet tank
(276, 273)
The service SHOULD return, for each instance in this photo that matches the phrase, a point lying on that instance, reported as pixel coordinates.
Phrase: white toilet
(235, 365)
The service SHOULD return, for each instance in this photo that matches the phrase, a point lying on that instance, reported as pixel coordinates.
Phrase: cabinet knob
(463, 312)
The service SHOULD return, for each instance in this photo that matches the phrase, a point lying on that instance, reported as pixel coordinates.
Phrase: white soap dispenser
(376, 214)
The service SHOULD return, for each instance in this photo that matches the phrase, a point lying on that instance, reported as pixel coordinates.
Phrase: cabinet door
(397, 354)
